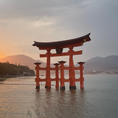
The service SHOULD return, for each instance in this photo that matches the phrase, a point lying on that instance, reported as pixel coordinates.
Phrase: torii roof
(63, 44)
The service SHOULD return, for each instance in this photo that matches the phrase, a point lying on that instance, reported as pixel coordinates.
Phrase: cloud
(51, 20)
(34, 8)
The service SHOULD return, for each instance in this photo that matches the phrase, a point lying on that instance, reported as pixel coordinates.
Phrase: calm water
(19, 99)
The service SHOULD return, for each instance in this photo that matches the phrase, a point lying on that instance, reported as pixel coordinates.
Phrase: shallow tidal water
(19, 99)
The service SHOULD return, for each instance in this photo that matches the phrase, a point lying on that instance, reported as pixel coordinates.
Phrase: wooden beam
(64, 46)
(65, 68)
(42, 80)
(77, 80)
(44, 68)
(63, 54)
(65, 80)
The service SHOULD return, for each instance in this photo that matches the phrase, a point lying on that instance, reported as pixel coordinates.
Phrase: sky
(25, 21)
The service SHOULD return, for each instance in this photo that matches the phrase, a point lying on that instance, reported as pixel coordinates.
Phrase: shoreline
(5, 77)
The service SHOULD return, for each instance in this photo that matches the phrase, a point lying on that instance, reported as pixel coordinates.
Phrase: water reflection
(23, 101)
(59, 104)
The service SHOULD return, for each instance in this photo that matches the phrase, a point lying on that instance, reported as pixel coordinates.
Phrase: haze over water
(19, 99)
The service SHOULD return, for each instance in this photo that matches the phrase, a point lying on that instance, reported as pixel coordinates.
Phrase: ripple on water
(23, 101)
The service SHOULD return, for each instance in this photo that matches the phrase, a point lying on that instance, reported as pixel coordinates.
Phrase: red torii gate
(58, 46)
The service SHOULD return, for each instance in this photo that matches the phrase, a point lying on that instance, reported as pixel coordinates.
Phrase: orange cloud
(2, 55)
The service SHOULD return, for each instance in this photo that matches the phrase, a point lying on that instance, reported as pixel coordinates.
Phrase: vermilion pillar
(62, 75)
(37, 75)
(81, 75)
(71, 70)
(57, 75)
(48, 80)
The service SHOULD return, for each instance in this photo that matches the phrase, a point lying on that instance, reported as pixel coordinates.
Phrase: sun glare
(2, 55)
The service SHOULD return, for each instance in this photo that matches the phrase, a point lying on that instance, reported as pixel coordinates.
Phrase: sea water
(19, 99)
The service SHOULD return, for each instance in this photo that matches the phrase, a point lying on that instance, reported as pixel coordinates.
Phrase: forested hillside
(7, 69)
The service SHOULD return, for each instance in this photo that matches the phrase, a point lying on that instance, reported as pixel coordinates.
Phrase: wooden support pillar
(71, 70)
(48, 80)
(81, 75)
(37, 75)
(57, 75)
(62, 75)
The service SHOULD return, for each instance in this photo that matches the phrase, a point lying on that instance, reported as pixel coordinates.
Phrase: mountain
(94, 65)
(21, 60)
(102, 64)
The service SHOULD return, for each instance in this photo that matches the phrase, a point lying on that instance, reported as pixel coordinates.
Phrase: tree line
(12, 69)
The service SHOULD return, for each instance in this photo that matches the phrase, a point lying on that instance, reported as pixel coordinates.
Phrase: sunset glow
(57, 21)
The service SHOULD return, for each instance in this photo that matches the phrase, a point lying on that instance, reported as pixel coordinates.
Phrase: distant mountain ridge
(97, 64)
(102, 64)
(21, 60)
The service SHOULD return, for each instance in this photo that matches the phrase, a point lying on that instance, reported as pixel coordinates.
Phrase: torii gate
(58, 46)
